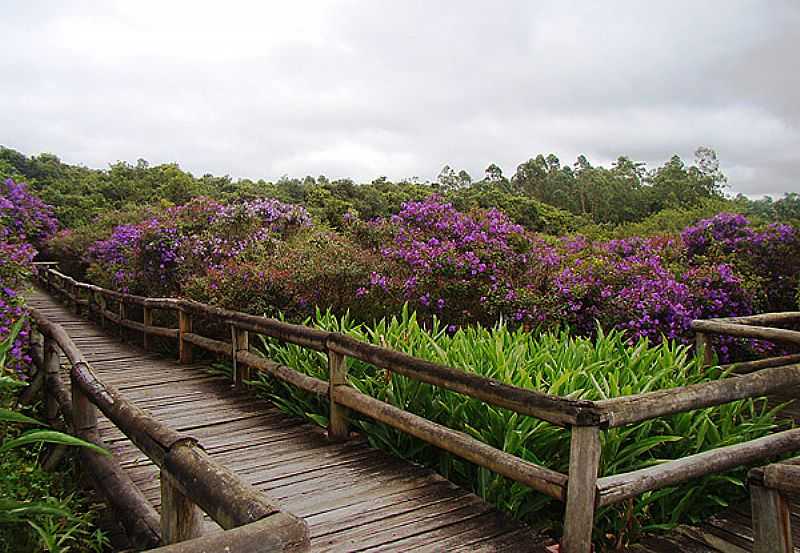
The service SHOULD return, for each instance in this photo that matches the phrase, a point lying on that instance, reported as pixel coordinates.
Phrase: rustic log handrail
(190, 479)
(741, 330)
(630, 409)
(772, 522)
(582, 489)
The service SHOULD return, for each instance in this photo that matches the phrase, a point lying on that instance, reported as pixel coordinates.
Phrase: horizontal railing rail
(771, 512)
(191, 482)
(756, 327)
(581, 489)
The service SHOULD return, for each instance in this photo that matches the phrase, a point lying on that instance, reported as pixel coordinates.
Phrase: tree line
(543, 194)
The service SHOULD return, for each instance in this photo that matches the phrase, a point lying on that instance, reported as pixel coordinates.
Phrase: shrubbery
(25, 222)
(39, 511)
(478, 266)
(556, 363)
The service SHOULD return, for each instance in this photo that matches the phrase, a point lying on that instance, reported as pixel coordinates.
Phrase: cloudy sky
(370, 88)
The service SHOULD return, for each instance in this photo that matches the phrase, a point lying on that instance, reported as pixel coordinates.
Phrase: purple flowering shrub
(313, 268)
(264, 256)
(24, 221)
(158, 255)
(16, 265)
(23, 216)
(111, 258)
(767, 259)
(444, 262)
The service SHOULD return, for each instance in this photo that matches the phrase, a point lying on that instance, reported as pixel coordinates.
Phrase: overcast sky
(367, 88)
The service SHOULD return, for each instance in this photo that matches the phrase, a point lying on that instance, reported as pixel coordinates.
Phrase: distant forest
(543, 194)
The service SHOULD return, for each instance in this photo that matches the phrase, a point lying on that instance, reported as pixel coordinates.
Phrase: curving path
(353, 497)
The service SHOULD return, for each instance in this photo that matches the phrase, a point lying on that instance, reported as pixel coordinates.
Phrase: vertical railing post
(704, 348)
(91, 308)
(76, 294)
(337, 376)
(181, 519)
(103, 308)
(772, 530)
(73, 290)
(123, 316)
(184, 327)
(84, 413)
(147, 321)
(240, 341)
(52, 365)
(584, 463)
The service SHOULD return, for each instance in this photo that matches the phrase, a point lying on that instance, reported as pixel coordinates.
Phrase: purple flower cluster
(465, 268)
(196, 238)
(446, 258)
(649, 287)
(23, 216)
(24, 221)
(766, 259)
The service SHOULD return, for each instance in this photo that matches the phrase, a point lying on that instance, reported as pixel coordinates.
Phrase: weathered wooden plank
(355, 514)
(537, 477)
(386, 531)
(631, 409)
(584, 463)
(622, 486)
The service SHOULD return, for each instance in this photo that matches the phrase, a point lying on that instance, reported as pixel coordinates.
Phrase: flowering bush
(766, 259)
(24, 221)
(445, 262)
(463, 268)
(23, 216)
(156, 256)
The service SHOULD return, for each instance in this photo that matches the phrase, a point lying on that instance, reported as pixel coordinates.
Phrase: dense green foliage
(540, 195)
(556, 363)
(609, 264)
(39, 511)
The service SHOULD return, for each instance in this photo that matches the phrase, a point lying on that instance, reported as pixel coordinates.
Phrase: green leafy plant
(59, 524)
(588, 368)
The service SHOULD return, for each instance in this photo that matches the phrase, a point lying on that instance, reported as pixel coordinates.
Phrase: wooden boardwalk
(353, 497)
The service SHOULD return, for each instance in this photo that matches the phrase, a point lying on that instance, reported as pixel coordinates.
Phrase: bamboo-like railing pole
(123, 317)
(240, 341)
(147, 321)
(772, 524)
(184, 327)
(181, 519)
(584, 463)
(704, 348)
(84, 413)
(52, 364)
(337, 377)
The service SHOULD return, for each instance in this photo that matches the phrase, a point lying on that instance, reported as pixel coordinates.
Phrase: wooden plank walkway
(353, 497)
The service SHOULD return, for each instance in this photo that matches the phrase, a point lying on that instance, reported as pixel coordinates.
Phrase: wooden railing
(581, 489)
(191, 482)
(755, 327)
(772, 521)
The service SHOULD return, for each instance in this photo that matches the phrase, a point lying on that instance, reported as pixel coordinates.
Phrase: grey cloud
(363, 89)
